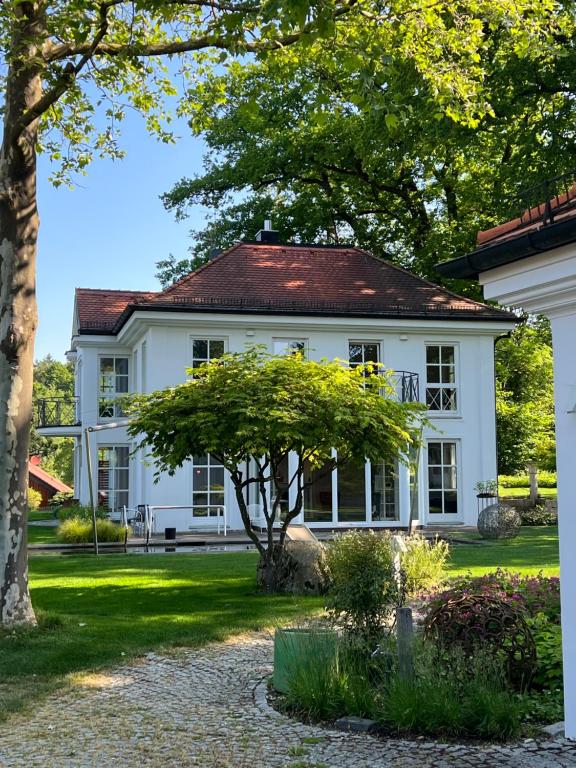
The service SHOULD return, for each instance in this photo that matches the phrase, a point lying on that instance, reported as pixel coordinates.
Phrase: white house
(331, 302)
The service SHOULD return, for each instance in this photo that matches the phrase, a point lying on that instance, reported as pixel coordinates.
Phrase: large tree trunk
(18, 316)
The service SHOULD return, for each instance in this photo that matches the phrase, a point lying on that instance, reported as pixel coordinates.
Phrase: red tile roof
(99, 309)
(264, 277)
(47, 479)
(557, 208)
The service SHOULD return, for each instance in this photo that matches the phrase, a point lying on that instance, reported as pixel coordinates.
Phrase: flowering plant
(532, 595)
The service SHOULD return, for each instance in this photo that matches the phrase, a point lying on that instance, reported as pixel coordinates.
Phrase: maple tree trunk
(18, 315)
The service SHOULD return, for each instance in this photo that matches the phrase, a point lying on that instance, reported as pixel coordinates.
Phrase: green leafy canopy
(404, 137)
(99, 59)
(251, 404)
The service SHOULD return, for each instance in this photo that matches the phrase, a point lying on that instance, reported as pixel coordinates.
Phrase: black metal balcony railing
(58, 412)
(406, 384)
(544, 201)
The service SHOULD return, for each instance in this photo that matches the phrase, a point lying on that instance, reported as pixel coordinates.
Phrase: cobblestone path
(208, 708)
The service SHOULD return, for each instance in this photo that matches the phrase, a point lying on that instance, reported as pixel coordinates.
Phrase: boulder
(298, 570)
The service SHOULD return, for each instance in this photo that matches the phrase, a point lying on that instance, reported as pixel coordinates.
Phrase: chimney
(267, 235)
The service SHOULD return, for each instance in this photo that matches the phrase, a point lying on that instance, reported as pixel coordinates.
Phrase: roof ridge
(113, 290)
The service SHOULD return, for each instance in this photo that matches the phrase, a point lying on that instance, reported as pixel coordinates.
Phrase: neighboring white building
(530, 263)
(332, 302)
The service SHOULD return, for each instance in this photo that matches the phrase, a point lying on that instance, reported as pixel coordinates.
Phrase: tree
(53, 379)
(254, 405)
(64, 61)
(338, 145)
(68, 64)
(525, 398)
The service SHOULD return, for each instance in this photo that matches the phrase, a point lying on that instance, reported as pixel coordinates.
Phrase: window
(318, 496)
(207, 486)
(442, 478)
(351, 493)
(113, 476)
(289, 346)
(112, 386)
(204, 350)
(441, 388)
(384, 482)
(361, 352)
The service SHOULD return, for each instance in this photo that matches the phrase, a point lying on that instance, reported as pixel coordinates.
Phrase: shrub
(548, 639)
(530, 594)
(423, 563)
(78, 531)
(514, 481)
(34, 498)
(539, 515)
(452, 695)
(363, 589)
(61, 497)
(545, 480)
(78, 512)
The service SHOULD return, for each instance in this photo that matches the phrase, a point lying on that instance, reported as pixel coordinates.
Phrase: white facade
(153, 349)
(546, 284)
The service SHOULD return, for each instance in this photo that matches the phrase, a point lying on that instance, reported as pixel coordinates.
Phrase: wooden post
(404, 636)
(532, 474)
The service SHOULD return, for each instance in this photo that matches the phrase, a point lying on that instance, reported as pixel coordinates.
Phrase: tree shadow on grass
(99, 611)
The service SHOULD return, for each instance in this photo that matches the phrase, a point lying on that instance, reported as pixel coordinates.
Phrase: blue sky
(111, 229)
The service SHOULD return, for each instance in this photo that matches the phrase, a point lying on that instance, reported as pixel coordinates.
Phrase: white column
(403, 494)
(565, 401)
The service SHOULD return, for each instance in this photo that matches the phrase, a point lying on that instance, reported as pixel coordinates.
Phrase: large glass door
(352, 494)
(207, 487)
(443, 491)
(318, 496)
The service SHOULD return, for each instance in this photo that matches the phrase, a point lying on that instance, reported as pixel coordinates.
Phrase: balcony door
(444, 504)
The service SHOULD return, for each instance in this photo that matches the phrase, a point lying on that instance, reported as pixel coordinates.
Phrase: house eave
(510, 250)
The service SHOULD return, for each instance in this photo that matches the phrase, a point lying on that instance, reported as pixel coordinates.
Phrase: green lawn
(520, 492)
(40, 514)
(534, 549)
(41, 534)
(99, 611)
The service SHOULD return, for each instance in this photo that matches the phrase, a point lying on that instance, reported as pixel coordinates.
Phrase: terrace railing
(58, 412)
(406, 385)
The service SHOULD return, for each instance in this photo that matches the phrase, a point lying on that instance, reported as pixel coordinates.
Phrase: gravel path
(208, 708)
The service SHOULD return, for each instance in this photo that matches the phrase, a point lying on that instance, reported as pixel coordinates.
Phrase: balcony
(406, 386)
(58, 416)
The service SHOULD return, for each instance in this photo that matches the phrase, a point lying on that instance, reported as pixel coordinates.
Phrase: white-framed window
(206, 349)
(207, 486)
(113, 476)
(113, 383)
(441, 378)
(363, 352)
(384, 491)
(442, 478)
(289, 346)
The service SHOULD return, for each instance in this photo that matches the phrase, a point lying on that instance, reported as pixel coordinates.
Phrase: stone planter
(294, 647)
